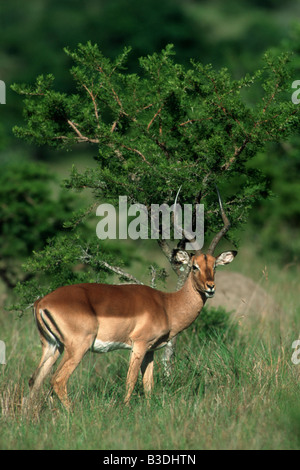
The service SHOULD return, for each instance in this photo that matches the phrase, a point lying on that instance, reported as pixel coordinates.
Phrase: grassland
(233, 387)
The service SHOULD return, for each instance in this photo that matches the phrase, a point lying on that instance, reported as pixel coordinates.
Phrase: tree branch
(167, 251)
(120, 272)
(81, 138)
(86, 258)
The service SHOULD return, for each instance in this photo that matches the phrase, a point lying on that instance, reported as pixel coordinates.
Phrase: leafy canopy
(163, 128)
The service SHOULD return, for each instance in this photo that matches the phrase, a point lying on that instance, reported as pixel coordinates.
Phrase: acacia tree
(153, 132)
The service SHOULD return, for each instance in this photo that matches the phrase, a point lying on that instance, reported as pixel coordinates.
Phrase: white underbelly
(107, 346)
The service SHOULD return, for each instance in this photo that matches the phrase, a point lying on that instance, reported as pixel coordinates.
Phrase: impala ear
(225, 258)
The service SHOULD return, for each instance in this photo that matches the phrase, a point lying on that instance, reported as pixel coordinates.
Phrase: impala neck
(184, 306)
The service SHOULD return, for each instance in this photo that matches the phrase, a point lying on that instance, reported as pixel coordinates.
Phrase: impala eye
(196, 267)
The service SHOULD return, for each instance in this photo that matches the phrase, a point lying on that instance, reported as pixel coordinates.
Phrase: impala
(100, 317)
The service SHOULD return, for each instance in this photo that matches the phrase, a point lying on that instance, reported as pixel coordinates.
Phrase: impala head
(204, 266)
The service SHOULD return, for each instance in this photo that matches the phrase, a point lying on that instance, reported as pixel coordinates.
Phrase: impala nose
(210, 289)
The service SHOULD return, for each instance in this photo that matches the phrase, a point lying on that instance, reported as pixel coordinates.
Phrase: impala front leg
(137, 356)
(147, 374)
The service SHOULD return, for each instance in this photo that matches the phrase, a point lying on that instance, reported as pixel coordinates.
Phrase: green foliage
(216, 323)
(274, 225)
(164, 128)
(29, 214)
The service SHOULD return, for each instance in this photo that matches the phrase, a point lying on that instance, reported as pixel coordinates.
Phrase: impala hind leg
(49, 357)
(136, 359)
(72, 357)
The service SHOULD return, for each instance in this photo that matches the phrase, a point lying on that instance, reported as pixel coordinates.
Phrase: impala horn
(191, 238)
(223, 231)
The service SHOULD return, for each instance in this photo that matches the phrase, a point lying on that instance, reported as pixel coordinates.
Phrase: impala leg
(72, 357)
(147, 374)
(49, 357)
(137, 355)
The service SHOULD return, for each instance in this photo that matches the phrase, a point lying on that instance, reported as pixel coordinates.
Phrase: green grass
(233, 387)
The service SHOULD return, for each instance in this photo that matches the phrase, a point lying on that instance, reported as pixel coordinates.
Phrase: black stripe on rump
(52, 326)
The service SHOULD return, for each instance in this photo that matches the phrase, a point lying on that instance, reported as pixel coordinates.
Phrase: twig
(237, 152)
(81, 137)
(272, 97)
(94, 102)
(138, 152)
(154, 117)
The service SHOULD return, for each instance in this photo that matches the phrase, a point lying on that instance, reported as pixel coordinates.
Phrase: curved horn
(223, 231)
(187, 235)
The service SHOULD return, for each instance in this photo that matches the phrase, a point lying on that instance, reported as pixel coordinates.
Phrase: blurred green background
(233, 34)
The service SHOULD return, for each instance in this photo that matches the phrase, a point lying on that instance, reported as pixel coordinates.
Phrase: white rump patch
(106, 346)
